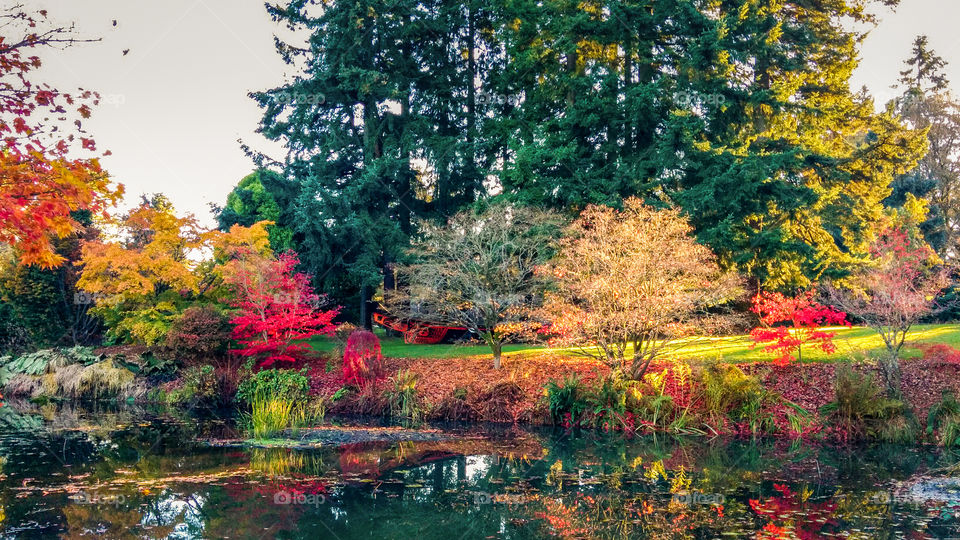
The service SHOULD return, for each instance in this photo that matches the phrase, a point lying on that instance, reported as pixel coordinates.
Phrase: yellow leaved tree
(153, 264)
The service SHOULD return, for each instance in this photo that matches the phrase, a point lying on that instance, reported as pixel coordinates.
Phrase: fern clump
(731, 393)
(943, 420)
(566, 400)
(861, 409)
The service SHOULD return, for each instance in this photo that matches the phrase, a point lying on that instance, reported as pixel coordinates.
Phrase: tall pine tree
(926, 104)
(737, 111)
(380, 131)
(740, 112)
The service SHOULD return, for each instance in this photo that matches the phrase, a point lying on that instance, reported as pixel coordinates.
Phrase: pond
(127, 472)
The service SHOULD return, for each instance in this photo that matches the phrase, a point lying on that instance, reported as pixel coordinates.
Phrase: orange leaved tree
(631, 282)
(40, 184)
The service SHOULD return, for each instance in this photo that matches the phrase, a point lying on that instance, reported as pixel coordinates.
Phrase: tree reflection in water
(149, 477)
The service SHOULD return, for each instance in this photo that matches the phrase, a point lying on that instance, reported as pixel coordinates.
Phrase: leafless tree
(892, 294)
(478, 271)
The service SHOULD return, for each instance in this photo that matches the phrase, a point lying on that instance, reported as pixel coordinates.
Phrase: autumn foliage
(40, 183)
(807, 519)
(277, 310)
(479, 272)
(630, 282)
(361, 358)
(895, 291)
(201, 333)
(142, 277)
(792, 322)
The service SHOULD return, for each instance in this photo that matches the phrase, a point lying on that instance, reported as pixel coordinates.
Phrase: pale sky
(176, 104)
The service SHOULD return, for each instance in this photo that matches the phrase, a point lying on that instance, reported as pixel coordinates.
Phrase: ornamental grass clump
(943, 420)
(273, 414)
(103, 379)
(403, 399)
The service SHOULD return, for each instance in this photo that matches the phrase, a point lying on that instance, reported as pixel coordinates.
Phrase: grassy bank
(689, 393)
(394, 347)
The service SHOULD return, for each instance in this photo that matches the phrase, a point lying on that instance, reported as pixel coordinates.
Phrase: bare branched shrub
(478, 272)
(892, 294)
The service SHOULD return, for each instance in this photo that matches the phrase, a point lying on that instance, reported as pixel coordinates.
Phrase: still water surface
(133, 473)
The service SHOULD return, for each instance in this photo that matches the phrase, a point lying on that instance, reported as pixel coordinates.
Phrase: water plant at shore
(862, 410)
(286, 384)
(943, 420)
(403, 399)
(565, 400)
(271, 414)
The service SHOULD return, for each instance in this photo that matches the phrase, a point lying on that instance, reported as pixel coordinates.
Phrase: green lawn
(850, 342)
(854, 342)
(394, 347)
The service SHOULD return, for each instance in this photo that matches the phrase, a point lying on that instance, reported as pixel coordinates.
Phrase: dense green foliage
(41, 307)
(565, 399)
(251, 202)
(944, 419)
(284, 384)
(374, 142)
(199, 387)
(739, 112)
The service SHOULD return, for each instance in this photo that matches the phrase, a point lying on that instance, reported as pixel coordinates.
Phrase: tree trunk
(497, 348)
(471, 135)
(389, 285)
(890, 369)
(366, 313)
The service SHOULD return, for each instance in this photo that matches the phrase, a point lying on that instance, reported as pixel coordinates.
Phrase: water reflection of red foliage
(807, 520)
(259, 510)
(360, 459)
(293, 486)
(772, 532)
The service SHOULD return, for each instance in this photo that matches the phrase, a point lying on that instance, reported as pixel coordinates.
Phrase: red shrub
(938, 354)
(361, 358)
(803, 317)
(277, 310)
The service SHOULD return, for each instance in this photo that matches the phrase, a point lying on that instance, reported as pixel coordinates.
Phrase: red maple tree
(792, 322)
(277, 310)
(898, 289)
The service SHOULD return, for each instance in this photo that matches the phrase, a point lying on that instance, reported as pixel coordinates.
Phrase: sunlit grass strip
(855, 342)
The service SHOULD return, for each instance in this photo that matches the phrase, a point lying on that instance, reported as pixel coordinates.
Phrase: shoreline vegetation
(626, 219)
(836, 399)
